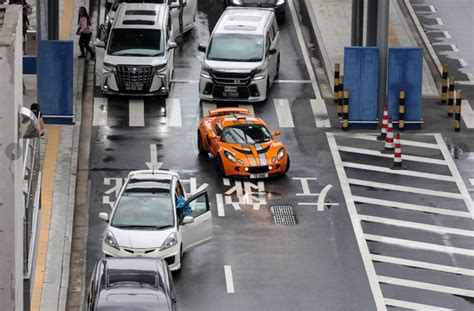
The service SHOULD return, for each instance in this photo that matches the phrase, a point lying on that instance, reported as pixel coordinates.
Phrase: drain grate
(283, 215)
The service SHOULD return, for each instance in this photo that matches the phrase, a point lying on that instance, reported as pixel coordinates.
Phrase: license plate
(230, 91)
(261, 175)
(230, 94)
(134, 86)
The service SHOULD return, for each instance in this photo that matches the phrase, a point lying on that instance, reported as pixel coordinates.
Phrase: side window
(268, 42)
(199, 205)
(168, 28)
(218, 130)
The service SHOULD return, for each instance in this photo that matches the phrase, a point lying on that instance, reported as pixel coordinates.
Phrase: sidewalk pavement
(331, 21)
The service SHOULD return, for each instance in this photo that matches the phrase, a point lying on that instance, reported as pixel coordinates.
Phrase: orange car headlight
(230, 156)
(280, 154)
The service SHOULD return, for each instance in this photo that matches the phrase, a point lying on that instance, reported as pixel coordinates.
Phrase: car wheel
(219, 167)
(200, 143)
(287, 164)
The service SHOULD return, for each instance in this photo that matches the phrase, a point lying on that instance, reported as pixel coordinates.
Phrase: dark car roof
(145, 265)
(133, 298)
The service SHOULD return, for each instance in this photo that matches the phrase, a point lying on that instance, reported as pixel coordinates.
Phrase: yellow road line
(47, 188)
(66, 21)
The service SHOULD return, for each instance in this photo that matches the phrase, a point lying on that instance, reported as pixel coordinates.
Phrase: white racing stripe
(427, 286)
(467, 114)
(422, 265)
(136, 113)
(403, 142)
(420, 245)
(412, 305)
(283, 112)
(386, 155)
(356, 225)
(319, 113)
(206, 107)
(381, 169)
(394, 187)
(173, 112)
(100, 111)
(416, 225)
(413, 207)
(229, 281)
(248, 107)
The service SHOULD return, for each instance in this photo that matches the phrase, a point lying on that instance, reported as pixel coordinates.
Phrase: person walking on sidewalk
(84, 31)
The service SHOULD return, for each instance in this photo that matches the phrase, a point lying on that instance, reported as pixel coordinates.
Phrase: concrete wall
(11, 160)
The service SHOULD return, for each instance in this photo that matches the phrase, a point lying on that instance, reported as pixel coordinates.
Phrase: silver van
(138, 53)
(242, 59)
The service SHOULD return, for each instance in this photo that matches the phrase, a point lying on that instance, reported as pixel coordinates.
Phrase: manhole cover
(283, 215)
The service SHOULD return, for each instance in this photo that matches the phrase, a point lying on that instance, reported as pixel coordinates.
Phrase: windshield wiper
(129, 54)
(141, 226)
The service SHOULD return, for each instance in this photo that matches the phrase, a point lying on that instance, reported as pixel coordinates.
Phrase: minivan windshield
(139, 211)
(118, 2)
(135, 42)
(246, 134)
(234, 47)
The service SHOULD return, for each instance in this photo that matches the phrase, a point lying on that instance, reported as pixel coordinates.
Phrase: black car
(278, 5)
(132, 284)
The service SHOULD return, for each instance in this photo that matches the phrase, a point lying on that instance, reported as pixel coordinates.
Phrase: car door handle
(207, 219)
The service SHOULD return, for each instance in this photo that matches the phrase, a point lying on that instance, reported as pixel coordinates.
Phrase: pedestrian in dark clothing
(36, 109)
(84, 31)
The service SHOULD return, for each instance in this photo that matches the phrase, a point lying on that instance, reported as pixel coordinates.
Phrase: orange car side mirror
(277, 133)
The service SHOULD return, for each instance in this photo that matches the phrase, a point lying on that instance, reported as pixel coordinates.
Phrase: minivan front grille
(134, 78)
(235, 78)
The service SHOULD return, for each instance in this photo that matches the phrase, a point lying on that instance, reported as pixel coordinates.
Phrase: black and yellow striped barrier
(340, 96)
(457, 115)
(401, 110)
(337, 69)
(451, 96)
(345, 112)
(444, 85)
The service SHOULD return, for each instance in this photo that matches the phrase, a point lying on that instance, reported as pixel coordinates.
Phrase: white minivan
(242, 59)
(136, 57)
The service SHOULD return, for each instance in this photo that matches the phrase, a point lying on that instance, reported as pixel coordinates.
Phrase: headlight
(280, 154)
(237, 2)
(170, 241)
(158, 68)
(280, 2)
(241, 162)
(109, 67)
(230, 156)
(260, 75)
(110, 240)
(205, 73)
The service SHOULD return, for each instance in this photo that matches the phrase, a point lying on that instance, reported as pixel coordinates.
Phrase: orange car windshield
(246, 134)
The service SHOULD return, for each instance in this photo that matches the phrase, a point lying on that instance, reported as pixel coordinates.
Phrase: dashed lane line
(416, 225)
(100, 111)
(419, 245)
(412, 305)
(173, 112)
(394, 187)
(404, 142)
(422, 265)
(220, 205)
(136, 113)
(381, 169)
(283, 112)
(320, 115)
(229, 281)
(426, 286)
(412, 207)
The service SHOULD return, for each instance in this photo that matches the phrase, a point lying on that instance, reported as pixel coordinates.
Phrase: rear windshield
(233, 47)
(118, 2)
(135, 42)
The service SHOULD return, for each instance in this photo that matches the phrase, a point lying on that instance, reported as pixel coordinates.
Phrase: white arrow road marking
(136, 113)
(153, 164)
(229, 281)
(115, 189)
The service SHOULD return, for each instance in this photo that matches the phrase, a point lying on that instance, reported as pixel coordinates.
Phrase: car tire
(219, 167)
(287, 164)
(201, 149)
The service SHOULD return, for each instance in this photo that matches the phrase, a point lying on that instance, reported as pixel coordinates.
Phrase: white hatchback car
(144, 221)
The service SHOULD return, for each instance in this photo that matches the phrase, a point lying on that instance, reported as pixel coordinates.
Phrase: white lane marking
(462, 62)
(412, 305)
(153, 164)
(454, 47)
(293, 81)
(283, 113)
(398, 172)
(439, 21)
(394, 187)
(422, 265)
(384, 155)
(220, 205)
(173, 112)
(309, 67)
(447, 35)
(427, 286)
(404, 142)
(432, 8)
(413, 207)
(356, 225)
(100, 111)
(319, 113)
(420, 245)
(322, 196)
(206, 107)
(136, 112)
(470, 76)
(457, 176)
(471, 180)
(415, 225)
(465, 82)
(184, 81)
(467, 114)
(248, 107)
(229, 281)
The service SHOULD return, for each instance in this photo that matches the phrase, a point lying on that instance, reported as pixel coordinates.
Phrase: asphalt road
(409, 225)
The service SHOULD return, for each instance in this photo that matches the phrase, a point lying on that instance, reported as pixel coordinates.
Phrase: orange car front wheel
(220, 167)
(201, 149)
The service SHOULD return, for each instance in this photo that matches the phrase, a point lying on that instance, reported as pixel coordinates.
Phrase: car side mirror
(172, 45)
(277, 133)
(99, 44)
(188, 220)
(173, 5)
(272, 51)
(211, 136)
(104, 216)
(202, 48)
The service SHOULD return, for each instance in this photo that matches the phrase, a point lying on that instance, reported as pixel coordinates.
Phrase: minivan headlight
(170, 241)
(205, 73)
(109, 67)
(110, 240)
(280, 2)
(157, 69)
(237, 2)
(260, 74)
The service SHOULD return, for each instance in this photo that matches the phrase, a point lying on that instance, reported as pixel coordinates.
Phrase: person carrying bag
(84, 31)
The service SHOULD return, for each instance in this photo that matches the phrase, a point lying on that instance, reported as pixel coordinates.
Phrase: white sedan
(145, 223)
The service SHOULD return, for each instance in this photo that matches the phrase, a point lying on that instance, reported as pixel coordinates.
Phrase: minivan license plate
(230, 91)
(261, 175)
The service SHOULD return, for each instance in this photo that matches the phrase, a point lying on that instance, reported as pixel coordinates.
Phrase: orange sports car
(241, 144)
